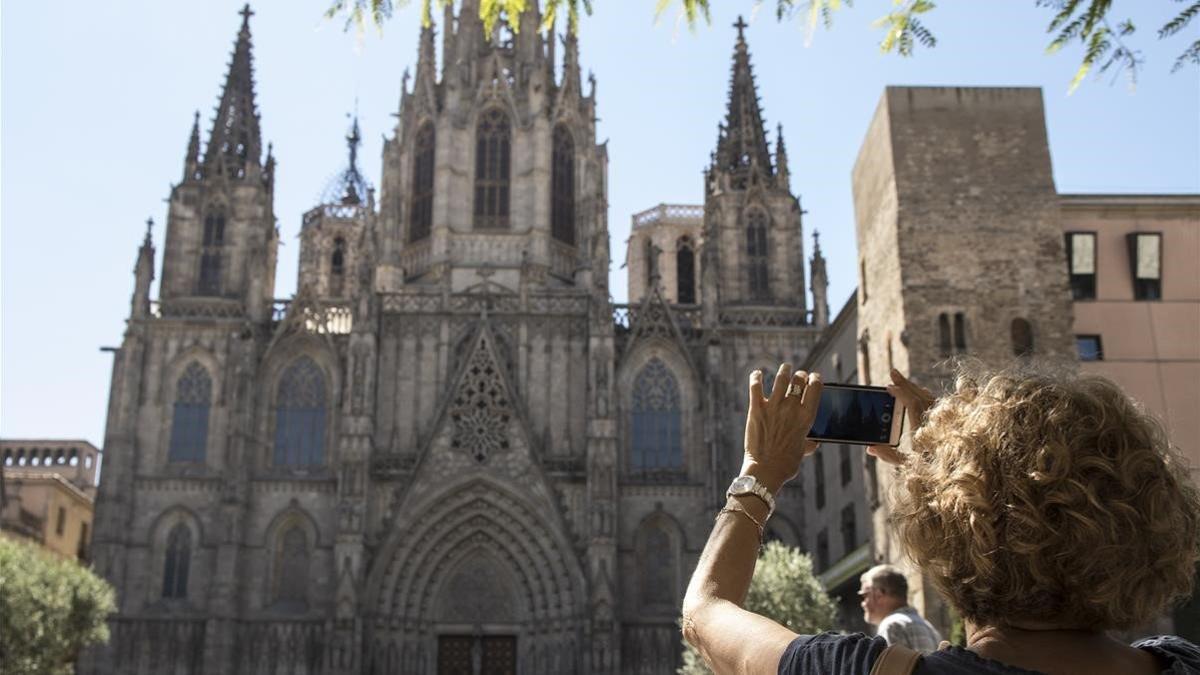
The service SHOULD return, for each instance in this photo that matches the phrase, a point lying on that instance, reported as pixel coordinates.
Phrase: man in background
(884, 596)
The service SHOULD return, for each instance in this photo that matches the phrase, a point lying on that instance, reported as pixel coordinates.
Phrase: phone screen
(862, 415)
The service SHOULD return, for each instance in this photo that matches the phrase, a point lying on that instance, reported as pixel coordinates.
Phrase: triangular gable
(654, 319)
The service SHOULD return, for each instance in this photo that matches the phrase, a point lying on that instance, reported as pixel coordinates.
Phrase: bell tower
(221, 239)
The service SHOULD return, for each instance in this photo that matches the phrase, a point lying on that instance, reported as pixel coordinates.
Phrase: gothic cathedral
(450, 451)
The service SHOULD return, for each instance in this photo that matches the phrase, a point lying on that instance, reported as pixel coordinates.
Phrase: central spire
(235, 143)
(742, 142)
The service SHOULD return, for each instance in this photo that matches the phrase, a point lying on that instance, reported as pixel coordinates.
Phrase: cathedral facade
(450, 451)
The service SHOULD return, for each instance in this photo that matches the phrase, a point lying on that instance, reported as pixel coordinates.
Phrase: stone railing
(687, 318)
(763, 317)
(338, 211)
(331, 319)
(156, 645)
(197, 308)
(414, 258)
(669, 213)
(472, 303)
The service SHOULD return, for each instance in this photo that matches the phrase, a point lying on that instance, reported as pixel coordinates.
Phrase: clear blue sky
(96, 101)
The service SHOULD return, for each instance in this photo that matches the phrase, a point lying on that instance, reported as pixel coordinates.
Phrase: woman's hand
(777, 427)
(916, 401)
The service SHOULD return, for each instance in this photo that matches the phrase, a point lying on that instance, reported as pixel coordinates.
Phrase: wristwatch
(749, 485)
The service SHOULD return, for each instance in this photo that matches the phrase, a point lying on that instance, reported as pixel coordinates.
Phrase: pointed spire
(742, 145)
(426, 53)
(350, 187)
(235, 143)
(571, 77)
(191, 163)
(820, 284)
(143, 274)
(781, 162)
(448, 38)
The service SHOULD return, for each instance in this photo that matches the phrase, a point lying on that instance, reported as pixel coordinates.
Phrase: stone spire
(820, 284)
(143, 274)
(571, 76)
(426, 53)
(191, 163)
(781, 163)
(742, 143)
(235, 144)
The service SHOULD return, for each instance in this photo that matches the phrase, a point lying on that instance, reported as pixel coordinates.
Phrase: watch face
(742, 484)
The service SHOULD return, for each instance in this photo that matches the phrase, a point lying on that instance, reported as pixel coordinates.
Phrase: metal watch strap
(758, 490)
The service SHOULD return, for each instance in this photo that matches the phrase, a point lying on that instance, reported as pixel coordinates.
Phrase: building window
(655, 420)
(60, 525)
(756, 254)
(844, 462)
(562, 187)
(492, 163)
(819, 475)
(1022, 337)
(291, 571)
(82, 551)
(300, 415)
(177, 561)
(685, 271)
(862, 284)
(1089, 348)
(1081, 264)
(210, 252)
(849, 529)
(952, 341)
(189, 422)
(656, 562)
(420, 218)
(337, 268)
(822, 550)
(1145, 262)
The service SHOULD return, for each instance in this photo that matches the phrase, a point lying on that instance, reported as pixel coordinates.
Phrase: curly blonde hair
(1036, 494)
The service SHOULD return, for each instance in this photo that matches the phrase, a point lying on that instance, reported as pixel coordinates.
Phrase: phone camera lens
(885, 418)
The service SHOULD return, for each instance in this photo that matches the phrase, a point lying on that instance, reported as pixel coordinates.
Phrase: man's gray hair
(888, 579)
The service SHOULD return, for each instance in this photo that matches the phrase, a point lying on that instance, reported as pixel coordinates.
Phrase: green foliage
(50, 609)
(783, 589)
(1074, 21)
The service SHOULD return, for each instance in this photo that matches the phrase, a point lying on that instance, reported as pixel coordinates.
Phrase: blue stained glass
(655, 420)
(189, 424)
(300, 415)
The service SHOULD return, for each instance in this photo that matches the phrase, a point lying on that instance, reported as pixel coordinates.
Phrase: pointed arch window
(655, 423)
(656, 566)
(1022, 337)
(300, 415)
(337, 268)
(492, 162)
(177, 562)
(291, 570)
(421, 206)
(562, 187)
(210, 252)
(189, 422)
(756, 254)
(685, 271)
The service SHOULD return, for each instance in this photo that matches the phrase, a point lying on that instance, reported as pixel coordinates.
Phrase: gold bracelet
(730, 509)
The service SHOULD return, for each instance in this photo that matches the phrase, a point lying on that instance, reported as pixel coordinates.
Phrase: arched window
(685, 271)
(291, 570)
(756, 254)
(960, 333)
(210, 253)
(337, 268)
(421, 205)
(492, 170)
(1022, 337)
(300, 415)
(562, 187)
(177, 562)
(656, 563)
(945, 342)
(189, 424)
(655, 425)
(651, 254)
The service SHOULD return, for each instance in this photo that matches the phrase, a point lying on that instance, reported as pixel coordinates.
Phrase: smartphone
(851, 413)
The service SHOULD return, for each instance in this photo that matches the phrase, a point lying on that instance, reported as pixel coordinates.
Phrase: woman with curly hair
(1045, 506)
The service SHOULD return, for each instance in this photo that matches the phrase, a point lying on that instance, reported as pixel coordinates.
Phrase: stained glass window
(210, 254)
(562, 187)
(189, 423)
(300, 415)
(657, 564)
(492, 170)
(655, 423)
(291, 570)
(177, 562)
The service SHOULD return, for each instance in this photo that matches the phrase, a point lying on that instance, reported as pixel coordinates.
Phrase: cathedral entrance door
(477, 655)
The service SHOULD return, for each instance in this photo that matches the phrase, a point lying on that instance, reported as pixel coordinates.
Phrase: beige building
(48, 492)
